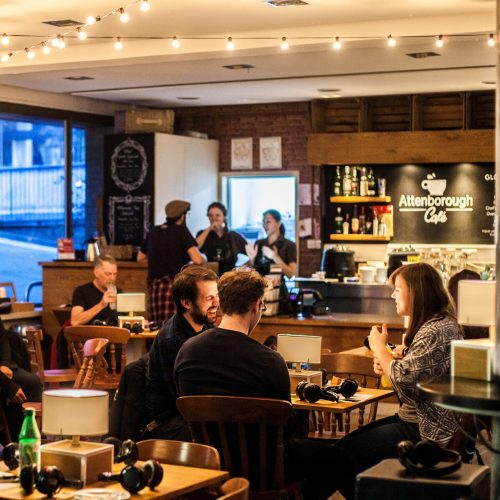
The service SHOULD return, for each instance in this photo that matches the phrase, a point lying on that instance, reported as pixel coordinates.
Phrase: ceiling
(149, 71)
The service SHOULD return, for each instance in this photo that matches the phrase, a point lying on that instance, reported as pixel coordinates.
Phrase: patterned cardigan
(427, 358)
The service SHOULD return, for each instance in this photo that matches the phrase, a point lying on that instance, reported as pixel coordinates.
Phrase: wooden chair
(248, 432)
(235, 488)
(33, 341)
(113, 363)
(361, 369)
(179, 453)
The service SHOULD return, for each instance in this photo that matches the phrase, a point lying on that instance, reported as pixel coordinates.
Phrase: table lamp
(299, 349)
(76, 412)
(131, 303)
(476, 306)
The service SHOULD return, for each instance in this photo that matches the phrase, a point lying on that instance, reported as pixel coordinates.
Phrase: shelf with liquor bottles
(360, 208)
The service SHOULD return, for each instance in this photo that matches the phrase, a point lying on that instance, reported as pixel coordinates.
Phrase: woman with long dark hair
(420, 294)
(275, 248)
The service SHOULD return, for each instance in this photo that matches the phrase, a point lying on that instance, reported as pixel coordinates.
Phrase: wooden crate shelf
(359, 237)
(360, 199)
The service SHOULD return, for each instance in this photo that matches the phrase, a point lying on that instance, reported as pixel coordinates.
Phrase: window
(32, 195)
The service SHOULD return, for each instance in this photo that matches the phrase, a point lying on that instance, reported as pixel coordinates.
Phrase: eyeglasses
(263, 306)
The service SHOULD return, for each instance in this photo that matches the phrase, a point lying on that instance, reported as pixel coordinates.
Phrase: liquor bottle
(382, 226)
(369, 222)
(354, 182)
(363, 183)
(29, 441)
(112, 288)
(339, 221)
(355, 221)
(375, 223)
(337, 184)
(346, 225)
(346, 182)
(371, 183)
(362, 221)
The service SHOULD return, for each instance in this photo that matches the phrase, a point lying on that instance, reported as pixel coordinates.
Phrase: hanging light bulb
(5, 39)
(175, 42)
(82, 35)
(45, 48)
(5, 57)
(90, 20)
(55, 42)
(391, 41)
(440, 42)
(284, 44)
(336, 44)
(61, 43)
(230, 43)
(29, 53)
(124, 17)
(118, 43)
(145, 6)
(491, 40)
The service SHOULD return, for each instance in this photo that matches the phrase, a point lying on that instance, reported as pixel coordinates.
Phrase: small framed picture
(270, 152)
(241, 154)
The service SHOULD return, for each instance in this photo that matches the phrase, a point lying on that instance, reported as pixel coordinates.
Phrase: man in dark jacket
(17, 385)
(197, 300)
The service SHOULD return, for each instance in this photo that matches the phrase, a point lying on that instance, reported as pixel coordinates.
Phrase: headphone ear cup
(129, 452)
(11, 455)
(299, 390)
(312, 392)
(405, 451)
(348, 387)
(27, 478)
(154, 472)
(133, 478)
(49, 480)
(428, 453)
(117, 446)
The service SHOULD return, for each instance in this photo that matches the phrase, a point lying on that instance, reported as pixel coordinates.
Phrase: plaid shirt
(161, 304)
(161, 393)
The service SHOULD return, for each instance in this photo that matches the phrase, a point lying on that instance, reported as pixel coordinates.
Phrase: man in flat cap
(168, 247)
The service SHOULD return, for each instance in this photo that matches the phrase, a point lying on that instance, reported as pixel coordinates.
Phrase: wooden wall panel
(402, 147)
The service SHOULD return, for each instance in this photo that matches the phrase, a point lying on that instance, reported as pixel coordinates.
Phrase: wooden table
(28, 318)
(137, 345)
(177, 480)
(331, 408)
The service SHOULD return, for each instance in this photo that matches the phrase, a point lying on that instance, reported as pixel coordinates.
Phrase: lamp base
(472, 358)
(82, 462)
(312, 377)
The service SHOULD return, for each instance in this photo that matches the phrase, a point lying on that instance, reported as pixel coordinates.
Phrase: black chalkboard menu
(437, 203)
(128, 187)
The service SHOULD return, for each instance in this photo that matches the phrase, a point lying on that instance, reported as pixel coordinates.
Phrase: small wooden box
(144, 120)
(22, 307)
(472, 359)
(78, 462)
(311, 376)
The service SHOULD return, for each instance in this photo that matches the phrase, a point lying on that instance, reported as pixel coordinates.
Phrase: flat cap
(176, 208)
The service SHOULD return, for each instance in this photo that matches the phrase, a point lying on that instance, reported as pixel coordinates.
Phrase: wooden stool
(391, 481)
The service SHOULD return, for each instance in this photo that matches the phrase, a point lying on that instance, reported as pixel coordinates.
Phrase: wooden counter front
(340, 332)
(60, 278)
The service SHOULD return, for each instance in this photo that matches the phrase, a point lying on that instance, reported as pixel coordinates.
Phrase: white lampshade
(476, 303)
(75, 412)
(300, 348)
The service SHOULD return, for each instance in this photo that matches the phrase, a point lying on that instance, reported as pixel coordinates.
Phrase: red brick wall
(290, 121)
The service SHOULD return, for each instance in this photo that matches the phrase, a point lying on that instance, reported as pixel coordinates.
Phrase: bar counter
(340, 331)
(60, 278)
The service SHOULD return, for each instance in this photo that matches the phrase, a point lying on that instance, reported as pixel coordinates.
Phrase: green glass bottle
(29, 440)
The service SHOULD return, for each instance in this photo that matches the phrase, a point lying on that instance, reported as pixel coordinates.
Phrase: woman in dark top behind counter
(275, 249)
(217, 242)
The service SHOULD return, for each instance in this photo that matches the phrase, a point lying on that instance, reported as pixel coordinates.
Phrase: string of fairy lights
(81, 33)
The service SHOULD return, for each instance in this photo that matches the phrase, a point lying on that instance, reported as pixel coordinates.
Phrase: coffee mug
(435, 187)
(381, 275)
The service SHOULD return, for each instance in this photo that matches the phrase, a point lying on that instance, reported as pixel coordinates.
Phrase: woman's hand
(397, 352)
(378, 338)
(377, 367)
(251, 251)
(269, 253)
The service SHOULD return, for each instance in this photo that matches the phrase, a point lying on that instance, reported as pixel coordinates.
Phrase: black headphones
(313, 392)
(135, 327)
(48, 481)
(423, 458)
(346, 388)
(126, 452)
(134, 478)
(10, 455)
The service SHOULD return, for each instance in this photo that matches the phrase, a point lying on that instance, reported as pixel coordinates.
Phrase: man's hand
(19, 397)
(6, 371)
(108, 296)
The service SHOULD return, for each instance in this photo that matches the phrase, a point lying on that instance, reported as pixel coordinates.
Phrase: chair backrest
(111, 368)
(235, 488)
(93, 351)
(179, 453)
(248, 432)
(351, 365)
(33, 341)
(10, 284)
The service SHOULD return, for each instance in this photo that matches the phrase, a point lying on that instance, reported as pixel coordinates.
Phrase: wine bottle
(363, 183)
(362, 221)
(371, 183)
(339, 220)
(354, 182)
(355, 221)
(346, 182)
(346, 225)
(337, 185)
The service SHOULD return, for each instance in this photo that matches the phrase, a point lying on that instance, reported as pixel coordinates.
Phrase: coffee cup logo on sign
(435, 186)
